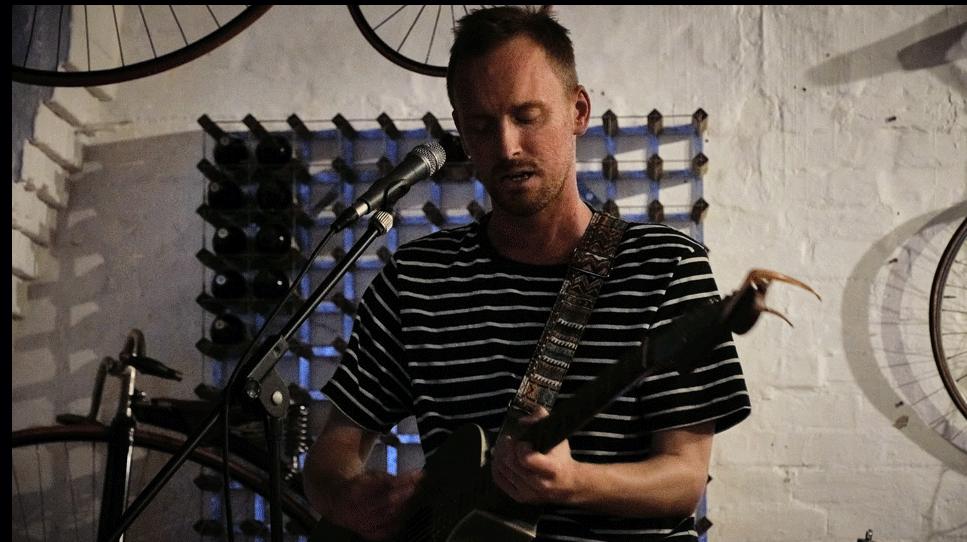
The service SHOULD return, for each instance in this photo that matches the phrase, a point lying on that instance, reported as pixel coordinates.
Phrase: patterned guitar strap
(588, 269)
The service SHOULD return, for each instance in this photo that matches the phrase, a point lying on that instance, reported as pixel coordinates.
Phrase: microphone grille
(433, 154)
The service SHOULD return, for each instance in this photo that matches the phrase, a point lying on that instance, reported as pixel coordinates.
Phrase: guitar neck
(678, 344)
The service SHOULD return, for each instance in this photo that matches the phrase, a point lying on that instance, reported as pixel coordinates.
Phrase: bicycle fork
(114, 494)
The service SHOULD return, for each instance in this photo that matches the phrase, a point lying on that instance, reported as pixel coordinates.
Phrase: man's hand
(372, 504)
(531, 477)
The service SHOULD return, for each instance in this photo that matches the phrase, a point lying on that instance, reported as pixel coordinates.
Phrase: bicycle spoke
(60, 25)
(147, 30)
(117, 30)
(433, 34)
(40, 489)
(20, 499)
(93, 488)
(30, 37)
(411, 28)
(212, 13)
(77, 536)
(453, 17)
(375, 28)
(177, 22)
(87, 38)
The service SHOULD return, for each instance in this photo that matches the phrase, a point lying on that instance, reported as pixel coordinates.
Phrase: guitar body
(456, 500)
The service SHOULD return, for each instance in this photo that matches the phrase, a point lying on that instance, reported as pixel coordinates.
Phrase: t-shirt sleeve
(715, 390)
(371, 385)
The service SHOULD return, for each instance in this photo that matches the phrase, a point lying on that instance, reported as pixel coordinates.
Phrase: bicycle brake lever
(151, 366)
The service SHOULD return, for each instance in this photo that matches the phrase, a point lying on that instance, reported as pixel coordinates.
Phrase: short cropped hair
(484, 30)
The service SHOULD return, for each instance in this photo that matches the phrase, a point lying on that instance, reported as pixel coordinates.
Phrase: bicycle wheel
(948, 318)
(411, 36)
(125, 43)
(57, 472)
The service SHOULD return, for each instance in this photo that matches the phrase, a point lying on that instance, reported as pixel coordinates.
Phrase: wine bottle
(273, 238)
(274, 194)
(271, 149)
(228, 285)
(270, 284)
(229, 150)
(229, 240)
(224, 194)
(227, 329)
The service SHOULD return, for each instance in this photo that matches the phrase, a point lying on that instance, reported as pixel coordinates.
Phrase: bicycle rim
(939, 293)
(51, 76)
(55, 489)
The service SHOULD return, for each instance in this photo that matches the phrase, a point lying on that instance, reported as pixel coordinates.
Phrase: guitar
(457, 500)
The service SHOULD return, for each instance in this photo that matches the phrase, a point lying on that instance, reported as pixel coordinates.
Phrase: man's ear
(463, 139)
(582, 110)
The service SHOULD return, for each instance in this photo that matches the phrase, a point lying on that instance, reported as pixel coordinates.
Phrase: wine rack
(300, 175)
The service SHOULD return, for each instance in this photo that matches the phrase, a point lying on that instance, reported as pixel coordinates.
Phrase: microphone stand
(264, 389)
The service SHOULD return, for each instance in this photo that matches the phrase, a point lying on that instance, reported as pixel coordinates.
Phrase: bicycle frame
(118, 469)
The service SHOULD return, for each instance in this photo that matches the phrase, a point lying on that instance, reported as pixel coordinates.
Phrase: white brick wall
(58, 138)
(44, 176)
(51, 155)
(31, 215)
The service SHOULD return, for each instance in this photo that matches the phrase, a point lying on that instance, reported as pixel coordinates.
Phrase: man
(447, 329)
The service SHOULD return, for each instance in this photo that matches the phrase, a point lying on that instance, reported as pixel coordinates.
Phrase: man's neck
(545, 238)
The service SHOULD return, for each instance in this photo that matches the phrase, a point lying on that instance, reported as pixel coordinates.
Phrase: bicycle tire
(55, 488)
(191, 51)
(404, 60)
(938, 293)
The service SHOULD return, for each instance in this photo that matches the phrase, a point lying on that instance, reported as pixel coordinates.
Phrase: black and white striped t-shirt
(446, 331)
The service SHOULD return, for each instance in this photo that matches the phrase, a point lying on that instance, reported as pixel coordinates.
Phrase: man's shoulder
(445, 243)
(652, 236)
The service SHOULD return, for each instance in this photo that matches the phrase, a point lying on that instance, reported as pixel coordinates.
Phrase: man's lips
(517, 176)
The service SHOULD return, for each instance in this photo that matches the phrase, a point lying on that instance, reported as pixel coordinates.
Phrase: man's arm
(338, 486)
(337, 455)
(668, 484)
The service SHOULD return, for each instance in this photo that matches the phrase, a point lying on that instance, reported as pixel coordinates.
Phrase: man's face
(518, 123)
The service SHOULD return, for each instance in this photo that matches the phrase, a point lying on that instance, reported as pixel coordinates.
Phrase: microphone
(421, 162)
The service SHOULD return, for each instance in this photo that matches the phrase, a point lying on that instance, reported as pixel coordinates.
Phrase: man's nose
(510, 140)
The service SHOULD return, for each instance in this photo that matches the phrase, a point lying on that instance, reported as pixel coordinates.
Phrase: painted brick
(18, 297)
(56, 137)
(768, 522)
(22, 254)
(44, 176)
(75, 105)
(32, 216)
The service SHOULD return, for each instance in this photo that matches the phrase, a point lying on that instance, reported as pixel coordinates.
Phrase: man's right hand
(372, 504)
